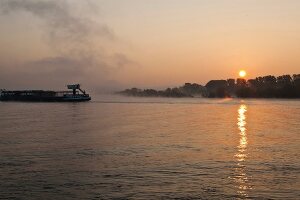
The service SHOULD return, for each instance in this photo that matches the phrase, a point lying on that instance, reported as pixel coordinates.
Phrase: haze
(113, 44)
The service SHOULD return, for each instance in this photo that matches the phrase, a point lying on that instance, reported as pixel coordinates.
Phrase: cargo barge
(74, 94)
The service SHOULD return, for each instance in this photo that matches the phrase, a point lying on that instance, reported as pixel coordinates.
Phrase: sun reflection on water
(242, 147)
(241, 177)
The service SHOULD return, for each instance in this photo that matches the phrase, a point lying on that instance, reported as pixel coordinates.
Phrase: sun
(242, 73)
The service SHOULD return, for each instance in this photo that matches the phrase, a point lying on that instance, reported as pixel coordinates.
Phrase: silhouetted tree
(283, 86)
(284, 80)
(240, 82)
(217, 88)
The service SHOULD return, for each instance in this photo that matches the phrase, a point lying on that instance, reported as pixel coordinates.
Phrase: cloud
(121, 61)
(61, 65)
(59, 18)
(71, 37)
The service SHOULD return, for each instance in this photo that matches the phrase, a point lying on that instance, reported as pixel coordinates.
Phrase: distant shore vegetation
(285, 86)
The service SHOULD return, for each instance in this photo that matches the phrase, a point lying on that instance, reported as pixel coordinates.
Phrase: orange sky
(145, 43)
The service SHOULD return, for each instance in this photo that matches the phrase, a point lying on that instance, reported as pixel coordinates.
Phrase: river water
(150, 148)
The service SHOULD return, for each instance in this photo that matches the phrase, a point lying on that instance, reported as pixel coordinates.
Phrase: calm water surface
(141, 148)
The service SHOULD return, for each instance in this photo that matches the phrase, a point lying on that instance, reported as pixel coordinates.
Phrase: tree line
(284, 86)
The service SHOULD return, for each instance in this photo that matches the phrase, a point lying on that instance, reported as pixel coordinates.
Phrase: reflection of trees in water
(241, 177)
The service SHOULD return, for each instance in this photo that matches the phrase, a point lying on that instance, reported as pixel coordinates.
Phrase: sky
(115, 44)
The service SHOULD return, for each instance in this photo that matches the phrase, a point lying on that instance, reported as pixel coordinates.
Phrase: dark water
(131, 148)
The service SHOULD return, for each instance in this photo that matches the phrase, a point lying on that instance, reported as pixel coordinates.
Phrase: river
(150, 148)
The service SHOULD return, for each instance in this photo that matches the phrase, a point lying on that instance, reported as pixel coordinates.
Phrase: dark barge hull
(44, 99)
(43, 96)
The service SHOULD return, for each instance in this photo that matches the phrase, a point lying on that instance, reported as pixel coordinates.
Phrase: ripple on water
(187, 149)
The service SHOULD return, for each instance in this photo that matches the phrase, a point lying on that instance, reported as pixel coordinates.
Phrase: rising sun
(242, 73)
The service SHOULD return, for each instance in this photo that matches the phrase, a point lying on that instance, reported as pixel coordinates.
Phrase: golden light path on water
(241, 177)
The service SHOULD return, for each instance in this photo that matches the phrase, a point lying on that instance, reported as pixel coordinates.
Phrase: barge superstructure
(74, 94)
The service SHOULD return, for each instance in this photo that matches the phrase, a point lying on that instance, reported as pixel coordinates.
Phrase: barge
(74, 94)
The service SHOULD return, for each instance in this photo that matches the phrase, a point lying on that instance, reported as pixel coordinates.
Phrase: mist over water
(150, 148)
